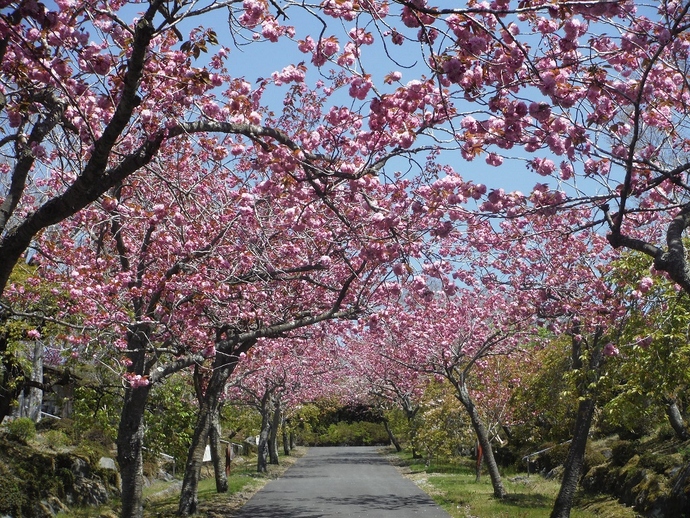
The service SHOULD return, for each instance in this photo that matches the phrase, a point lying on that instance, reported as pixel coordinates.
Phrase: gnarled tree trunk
(130, 434)
(130, 442)
(264, 435)
(227, 355)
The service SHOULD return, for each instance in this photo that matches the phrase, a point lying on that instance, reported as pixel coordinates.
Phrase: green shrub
(358, 433)
(56, 439)
(11, 496)
(22, 429)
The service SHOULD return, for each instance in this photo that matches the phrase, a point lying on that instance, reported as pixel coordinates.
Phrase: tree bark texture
(36, 394)
(218, 456)
(576, 454)
(273, 436)
(676, 420)
(575, 460)
(483, 439)
(264, 435)
(130, 442)
(391, 436)
(130, 434)
(227, 355)
(286, 440)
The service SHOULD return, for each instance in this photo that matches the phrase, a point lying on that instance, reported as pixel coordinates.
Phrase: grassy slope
(453, 486)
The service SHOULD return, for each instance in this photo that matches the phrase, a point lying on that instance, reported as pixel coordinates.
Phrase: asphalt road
(341, 481)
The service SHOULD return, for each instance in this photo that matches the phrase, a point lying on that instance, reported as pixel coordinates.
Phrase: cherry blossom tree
(280, 373)
(97, 100)
(451, 337)
(201, 270)
(86, 116)
(374, 367)
(565, 278)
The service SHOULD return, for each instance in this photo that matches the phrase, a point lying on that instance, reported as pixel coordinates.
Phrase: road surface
(341, 481)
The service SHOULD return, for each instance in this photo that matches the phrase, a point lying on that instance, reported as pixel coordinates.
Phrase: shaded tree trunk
(273, 435)
(286, 439)
(227, 355)
(264, 435)
(130, 434)
(410, 412)
(574, 463)
(391, 435)
(479, 460)
(676, 420)
(575, 460)
(482, 438)
(218, 455)
(130, 442)
(292, 440)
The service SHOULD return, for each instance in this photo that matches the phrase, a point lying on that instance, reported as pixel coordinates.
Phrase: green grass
(452, 485)
(162, 498)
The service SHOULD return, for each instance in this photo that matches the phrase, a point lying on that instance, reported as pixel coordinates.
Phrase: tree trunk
(575, 460)
(292, 440)
(391, 435)
(195, 455)
(676, 419)
(35, 394)
(585, 412)
(410, 412)
(479, 460)
(130, 441)
(264, 436)
(218, 455)
(273, 435)
(482, 438)
(130, 434)
(224, 364)
(286, 439)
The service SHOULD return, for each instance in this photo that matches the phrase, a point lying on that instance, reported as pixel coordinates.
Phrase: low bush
(22, 429)
(11, 495)
(359, 433)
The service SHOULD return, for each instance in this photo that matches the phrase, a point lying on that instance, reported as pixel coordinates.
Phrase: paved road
(347, 481)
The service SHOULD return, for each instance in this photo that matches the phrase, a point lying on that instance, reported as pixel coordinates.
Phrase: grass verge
(162, 498)
(452, 485)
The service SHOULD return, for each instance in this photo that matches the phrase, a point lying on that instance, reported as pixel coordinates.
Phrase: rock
(555, 474)
(90, 492)
(107, 463)
(49, 507)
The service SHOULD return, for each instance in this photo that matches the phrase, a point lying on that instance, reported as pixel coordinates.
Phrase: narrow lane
(341, 481)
